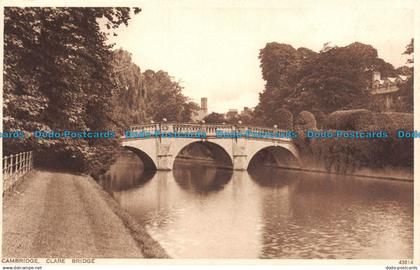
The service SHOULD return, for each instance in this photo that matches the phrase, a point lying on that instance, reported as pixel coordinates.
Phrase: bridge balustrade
(187, 127)
(262, 130)
(212, 128)
(144, 127)
(209, 129)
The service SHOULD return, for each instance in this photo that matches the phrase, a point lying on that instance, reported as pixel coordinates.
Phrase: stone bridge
(231, 146)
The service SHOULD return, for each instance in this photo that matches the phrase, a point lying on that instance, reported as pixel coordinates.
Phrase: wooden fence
(15, 167)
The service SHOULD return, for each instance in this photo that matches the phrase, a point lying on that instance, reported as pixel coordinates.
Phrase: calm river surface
(202, 212)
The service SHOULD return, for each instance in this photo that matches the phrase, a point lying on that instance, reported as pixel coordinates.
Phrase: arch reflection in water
(272, 177)
(201, 178)
(127, 172)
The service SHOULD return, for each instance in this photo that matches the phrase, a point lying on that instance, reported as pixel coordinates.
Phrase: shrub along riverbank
(348, 156)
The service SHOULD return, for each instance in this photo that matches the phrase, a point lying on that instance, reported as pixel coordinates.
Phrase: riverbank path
(62, 215)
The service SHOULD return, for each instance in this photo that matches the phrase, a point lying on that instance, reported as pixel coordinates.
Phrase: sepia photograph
(236, 130)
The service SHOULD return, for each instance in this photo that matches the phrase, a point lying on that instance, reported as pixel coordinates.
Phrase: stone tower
(204, 105)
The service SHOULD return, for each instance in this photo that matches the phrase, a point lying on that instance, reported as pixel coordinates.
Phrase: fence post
(19, 157)
(31, 160)
(4, 165)
(19, 164)
(10, 165)
(25, 162)
(5, 169)
(22, 159)
(15, 164)
(15, 167)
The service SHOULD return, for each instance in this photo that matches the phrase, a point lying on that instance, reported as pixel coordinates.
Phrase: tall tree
(281, 66)
(214, 118)
(165, 98)
(301, 79)
(406, 93)
(58, 75)
(409, 50)
(338, 76)
(128, 98)
(278, 63)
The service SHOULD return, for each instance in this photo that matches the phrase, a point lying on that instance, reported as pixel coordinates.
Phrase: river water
(198, 211)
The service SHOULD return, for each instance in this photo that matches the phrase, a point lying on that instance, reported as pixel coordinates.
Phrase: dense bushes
(348, 155)
(393, 121)
(76, 155)
(350, 120)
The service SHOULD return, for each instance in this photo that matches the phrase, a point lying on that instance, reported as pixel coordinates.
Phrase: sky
(212, 48)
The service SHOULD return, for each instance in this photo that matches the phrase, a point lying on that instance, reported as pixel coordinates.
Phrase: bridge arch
(219, 152)
(281, 155)
(148, 162)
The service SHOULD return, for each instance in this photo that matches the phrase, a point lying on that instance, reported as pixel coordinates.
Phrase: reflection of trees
(198, 178)
(126, 173)
(150, 201)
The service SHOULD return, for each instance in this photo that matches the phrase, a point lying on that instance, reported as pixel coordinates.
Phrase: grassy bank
(70, 217)
(149, 247)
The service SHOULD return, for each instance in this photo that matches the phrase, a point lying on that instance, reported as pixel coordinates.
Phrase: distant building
(383, 89)
(203, 109)
(202, 112)
(232, 114)
(386, 85)
(246, 110)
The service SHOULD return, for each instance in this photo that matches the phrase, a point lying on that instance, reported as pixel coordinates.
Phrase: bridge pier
(239, 154)
(165, 159)
(165, 162)
(240, 162)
